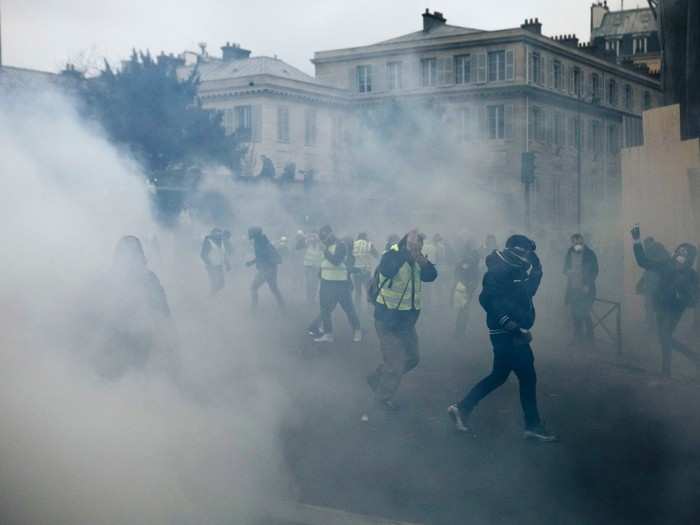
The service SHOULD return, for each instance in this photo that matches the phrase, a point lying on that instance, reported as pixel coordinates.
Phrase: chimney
(598, 12)
(533, 25)
(567, 40)
(432, 20)
(232, 52)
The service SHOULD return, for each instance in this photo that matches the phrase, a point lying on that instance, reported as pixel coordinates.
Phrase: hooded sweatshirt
(509, 285)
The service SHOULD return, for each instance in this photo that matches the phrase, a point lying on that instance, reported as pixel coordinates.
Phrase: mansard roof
(632, 21)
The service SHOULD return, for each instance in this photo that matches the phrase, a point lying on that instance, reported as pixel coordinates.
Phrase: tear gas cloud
(152, 446)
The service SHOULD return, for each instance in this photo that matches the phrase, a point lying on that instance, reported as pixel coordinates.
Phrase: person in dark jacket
(216, 254)
(649, 282)
(677, 290)
(401, 273)
(266, 262)
(512, 279)
(581, 270)
(466, 282)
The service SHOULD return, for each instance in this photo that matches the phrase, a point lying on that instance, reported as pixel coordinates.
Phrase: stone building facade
(509, 92)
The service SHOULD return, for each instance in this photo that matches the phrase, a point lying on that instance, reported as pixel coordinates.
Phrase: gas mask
(578, 248)
(681, 260)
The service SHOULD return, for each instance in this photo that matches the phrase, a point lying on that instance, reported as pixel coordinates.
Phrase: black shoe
(539, 433)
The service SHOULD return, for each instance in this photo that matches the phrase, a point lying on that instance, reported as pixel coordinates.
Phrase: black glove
(636, 233)
(534, 260)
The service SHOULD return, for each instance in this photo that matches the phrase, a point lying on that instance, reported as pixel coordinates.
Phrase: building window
(467, 122)
(536, 70)
(613, 46)
(574, 132)
(463, 69)
(576, 82)
(595, 87)
(647, 100)
(496, 122)
(244, 121)
(539, 129)
(595, 139)
(310, 127)
(556, 73)
(394, 77)
(364, 79)
(612, 92)
(497, 65)
(613, 139)
(559, 129)
(283, 124)
(629, 97)
(428, 72)
(640, 45)
(229, 121)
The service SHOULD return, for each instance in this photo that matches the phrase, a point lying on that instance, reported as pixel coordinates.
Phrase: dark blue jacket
(509, 286)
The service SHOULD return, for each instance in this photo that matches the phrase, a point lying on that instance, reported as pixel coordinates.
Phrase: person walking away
(509, 286)
(365, 256)
(216, 254)
(677, 291)
(399, 288)
(466, 282)
(266, 262)
(336, 287)
(313, 256)
(581, 270)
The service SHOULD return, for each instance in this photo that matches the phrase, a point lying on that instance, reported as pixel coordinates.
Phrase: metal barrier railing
(611, 308)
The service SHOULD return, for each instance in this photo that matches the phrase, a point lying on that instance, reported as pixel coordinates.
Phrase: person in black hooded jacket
(512, 279)
(676, 291)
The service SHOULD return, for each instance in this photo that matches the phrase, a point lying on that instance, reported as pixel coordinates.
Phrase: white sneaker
(453, 412)
(325, 338)
(357, 336)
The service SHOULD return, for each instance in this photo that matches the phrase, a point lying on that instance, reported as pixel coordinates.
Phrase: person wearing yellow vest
(336, 287)
(365, 255)
(313, 257)
(401, 273)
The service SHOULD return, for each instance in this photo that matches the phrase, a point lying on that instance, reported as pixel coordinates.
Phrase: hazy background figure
(336, 285)
(313, 256)
(676, 291)
(400, 277)
(266, 262)
(649, 281)
(216, 254)
(365, 255)
(581, 271)
(466, 278)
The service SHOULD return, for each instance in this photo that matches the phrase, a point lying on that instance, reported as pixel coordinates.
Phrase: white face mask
(578, 247)
(681, 260)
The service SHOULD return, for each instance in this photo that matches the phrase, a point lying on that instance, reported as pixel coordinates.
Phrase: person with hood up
(266, 262)
(336, 286)
(676, 291)
(399, 295)
(137, 309)
(216, 254)
(581, 270)
(512, 279)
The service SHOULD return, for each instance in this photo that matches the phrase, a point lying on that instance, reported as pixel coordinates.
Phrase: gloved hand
(636, 233)
(523, 337)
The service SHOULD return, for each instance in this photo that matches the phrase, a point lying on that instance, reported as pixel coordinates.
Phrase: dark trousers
(333, 293)
(508, 357)
(216, 278)
(269, 276)
(580, 306)
(462, 321)
(666, 323)
(399, 347)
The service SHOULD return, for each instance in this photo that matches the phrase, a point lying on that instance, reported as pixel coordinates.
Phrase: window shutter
(481, 67)
(374, 79)
(508, 121)
(510, 64)
(483, 123)
(352, 78)
(549, 123)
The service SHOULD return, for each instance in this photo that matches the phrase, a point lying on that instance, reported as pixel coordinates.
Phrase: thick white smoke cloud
(156, 447)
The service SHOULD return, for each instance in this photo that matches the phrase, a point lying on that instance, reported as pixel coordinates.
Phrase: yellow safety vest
(404, 291)
(313, 256)
(362, 251)
(461, 296)
(331, 272)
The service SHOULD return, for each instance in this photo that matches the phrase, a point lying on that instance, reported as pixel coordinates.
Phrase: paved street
(628, 452)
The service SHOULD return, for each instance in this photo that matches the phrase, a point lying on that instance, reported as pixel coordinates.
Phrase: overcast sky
(45, 34)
